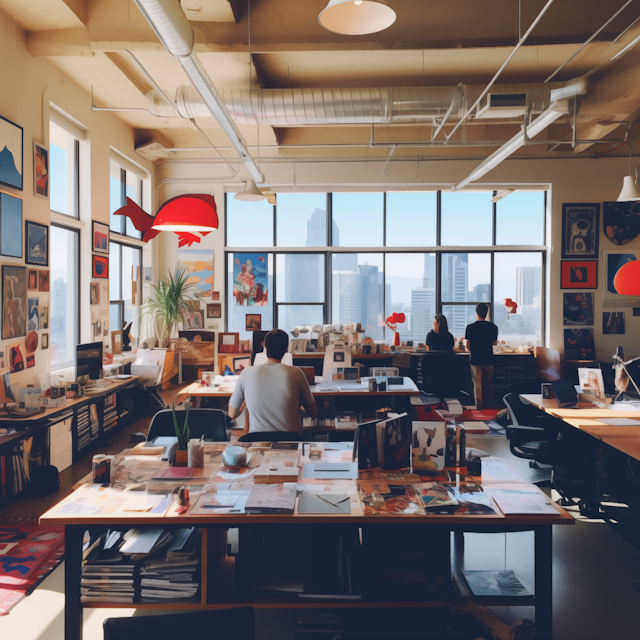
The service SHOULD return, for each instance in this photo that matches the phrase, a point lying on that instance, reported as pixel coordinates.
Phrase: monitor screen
(89, 360)
(564, 391)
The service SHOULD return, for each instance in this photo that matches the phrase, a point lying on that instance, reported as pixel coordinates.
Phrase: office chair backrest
(271, 436)
(261, 358)
(226, 624)
(440, 374)
(522, 413)
(212, 423)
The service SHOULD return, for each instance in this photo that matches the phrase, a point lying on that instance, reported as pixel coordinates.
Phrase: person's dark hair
(482, 309)
(443, 325)
(276, 343)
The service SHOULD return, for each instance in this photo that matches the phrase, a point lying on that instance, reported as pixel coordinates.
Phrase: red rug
(28, 554)
(485, 414)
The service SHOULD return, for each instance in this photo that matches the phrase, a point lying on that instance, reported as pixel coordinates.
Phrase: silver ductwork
(378, 105)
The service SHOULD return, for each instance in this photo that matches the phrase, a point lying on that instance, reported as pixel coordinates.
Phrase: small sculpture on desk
(126, 337)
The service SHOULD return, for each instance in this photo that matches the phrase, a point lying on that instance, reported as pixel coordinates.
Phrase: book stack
(83, 430)
(107, 574)
(173, 574)
(93, 421)
(110, 419)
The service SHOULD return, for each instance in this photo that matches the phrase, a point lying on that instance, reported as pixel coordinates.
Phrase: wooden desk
(630, 446)
(219, 572)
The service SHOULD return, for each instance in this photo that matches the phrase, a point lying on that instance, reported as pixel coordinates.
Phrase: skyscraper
(528, 286)
(455, 286)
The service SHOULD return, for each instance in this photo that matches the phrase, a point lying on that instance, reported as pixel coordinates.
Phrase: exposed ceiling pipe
(170, 24)
(545, 119)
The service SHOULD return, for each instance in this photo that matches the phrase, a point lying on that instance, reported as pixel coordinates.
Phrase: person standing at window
(482, 335)
(439, 338)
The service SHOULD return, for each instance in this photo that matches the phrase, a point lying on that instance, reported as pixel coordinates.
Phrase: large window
(125, 283)
(122, 185)
(344, 258)
(63, 314)
(64, 167)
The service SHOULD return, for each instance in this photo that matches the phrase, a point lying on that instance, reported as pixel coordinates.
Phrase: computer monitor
(564, 392)
(89, 360)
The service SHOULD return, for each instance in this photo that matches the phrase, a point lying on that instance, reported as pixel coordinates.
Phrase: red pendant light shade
(627, 280)
(194, 212)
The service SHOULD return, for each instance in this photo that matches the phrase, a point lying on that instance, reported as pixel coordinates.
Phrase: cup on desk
(546, 390)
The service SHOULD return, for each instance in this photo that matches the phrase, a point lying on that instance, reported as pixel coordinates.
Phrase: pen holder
(195, 450)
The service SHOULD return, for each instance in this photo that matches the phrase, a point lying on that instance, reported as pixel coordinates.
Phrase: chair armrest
(524, 428)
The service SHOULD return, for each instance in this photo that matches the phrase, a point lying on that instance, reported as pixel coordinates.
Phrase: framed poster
(100, 267)
(99, 237)
(14, 302)
(11, 154)
(228, 342)
(250, 279)
(10, 226)
(580, 230)
(40, 171)
(613, 261)
(577, 309)
(32, 279)
(578, 274)
(36, 238)
(579, 344)
(43, 280)
(612, 322)
(199, 264)
(621, 221)
(214, 310)
(253, 322)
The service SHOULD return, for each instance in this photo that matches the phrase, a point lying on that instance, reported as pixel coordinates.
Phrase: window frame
(439, 250)
(120, 302)
(123, 200)
(79, 292)
(76, 175)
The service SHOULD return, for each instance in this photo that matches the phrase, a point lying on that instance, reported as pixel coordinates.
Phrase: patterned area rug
(28, 554)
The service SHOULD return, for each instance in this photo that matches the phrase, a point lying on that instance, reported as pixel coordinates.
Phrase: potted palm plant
(183, 434)
(166, 304)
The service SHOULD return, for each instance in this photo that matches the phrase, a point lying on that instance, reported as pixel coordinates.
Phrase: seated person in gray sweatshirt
(273, 392)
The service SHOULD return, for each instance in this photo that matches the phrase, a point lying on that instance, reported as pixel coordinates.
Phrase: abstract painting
(34, 314)
(579, 344)
(32, 279)
(250, 280)
(44, 317)
(11, 151)
(16, 359)
(577, 309)
(100, 267)
(621, 221)
(613, 323)
(10, 226)
(100, 237)
(198, 263)
(253, 322)
(580, 230)
(43, 280)
(14, 302)
(578, 274)
(193, 316)
(40, 171)
(613, 261)
(214, 310)
(36, 243)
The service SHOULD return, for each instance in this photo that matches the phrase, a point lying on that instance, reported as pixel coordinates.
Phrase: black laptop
(565, 393)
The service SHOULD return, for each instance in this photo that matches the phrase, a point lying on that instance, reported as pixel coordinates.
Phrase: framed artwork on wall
(579, 344)
(253, 322)
(43, 280)
(100, 267)
(228, 342)
(621, 221)
(613, 261)
(11, 154)
(32, 279)
(578, 274)
(214, 310)
(10, 226)
(580, 230)
(36, 238)
(40, 171)
(14, 302)
(577, 309)
(100, 237)
(612, 323)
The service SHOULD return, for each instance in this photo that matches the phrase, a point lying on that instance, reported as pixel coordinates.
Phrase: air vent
(502, 105)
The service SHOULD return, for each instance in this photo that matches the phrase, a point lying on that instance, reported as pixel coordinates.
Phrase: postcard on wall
(16, 359)
(43, 280)
(44, 316)
(199, 264)
(250, 279)
(577, 309)
(40, 171)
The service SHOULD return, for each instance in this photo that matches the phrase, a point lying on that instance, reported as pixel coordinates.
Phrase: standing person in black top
(482, 335)
(439, 338)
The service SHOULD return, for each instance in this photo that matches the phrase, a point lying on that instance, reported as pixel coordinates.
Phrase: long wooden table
(219, 571)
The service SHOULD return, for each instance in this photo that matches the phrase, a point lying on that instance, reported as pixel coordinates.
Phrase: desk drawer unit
(60, 444)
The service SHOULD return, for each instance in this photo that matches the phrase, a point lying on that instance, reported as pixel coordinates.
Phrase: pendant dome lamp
(251, 193)
(357, 17)
(630, 191)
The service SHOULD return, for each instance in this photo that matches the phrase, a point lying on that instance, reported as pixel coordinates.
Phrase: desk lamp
(511, 307)
(392, 322)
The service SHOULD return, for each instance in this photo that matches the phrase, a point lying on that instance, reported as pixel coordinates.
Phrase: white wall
(568, 180)
(27, 86)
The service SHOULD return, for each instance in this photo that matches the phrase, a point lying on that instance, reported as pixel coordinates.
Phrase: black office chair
(212, 423)
(440, 375)
(225, 624)
(526, 385)
(271, 436)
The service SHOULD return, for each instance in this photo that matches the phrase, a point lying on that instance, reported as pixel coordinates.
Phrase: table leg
(543, 582)
(72, 574)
